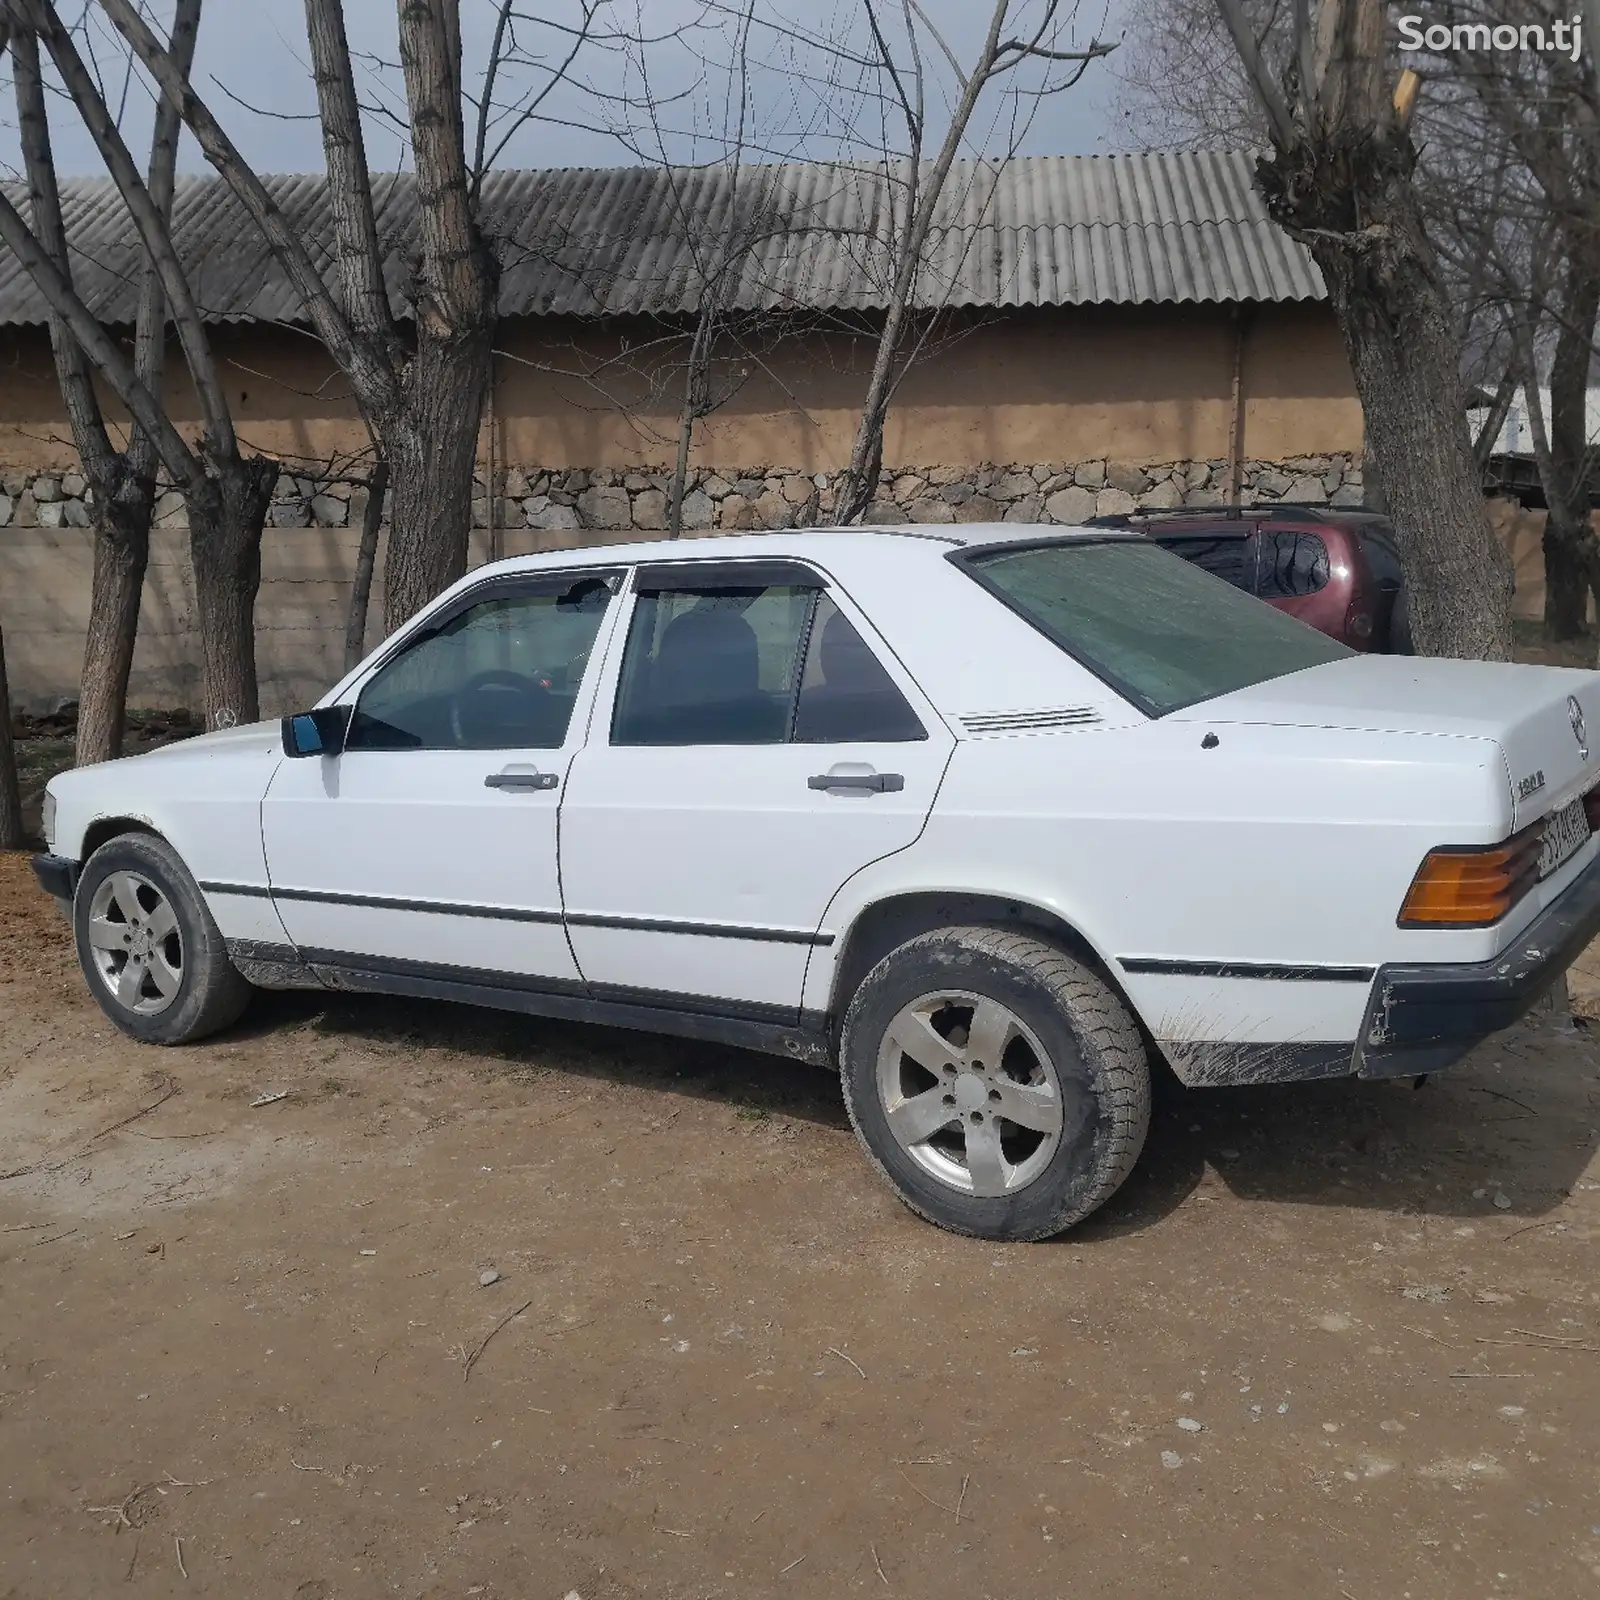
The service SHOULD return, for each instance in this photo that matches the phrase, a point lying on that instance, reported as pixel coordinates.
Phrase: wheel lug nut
(977, 1116)
(994, 1094)
(949, 1099)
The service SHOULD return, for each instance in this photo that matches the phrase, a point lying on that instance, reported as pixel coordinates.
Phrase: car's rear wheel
(999, 1085)
(148, 945)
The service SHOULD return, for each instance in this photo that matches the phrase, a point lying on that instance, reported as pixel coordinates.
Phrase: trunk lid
(1546, 720)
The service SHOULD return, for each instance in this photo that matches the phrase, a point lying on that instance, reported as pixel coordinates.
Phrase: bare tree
(225, 492)
(915, 198)
(1533, 117)
(123, 481)
(1340, 179)
(1180, 83)
(11, 834)
(701, 368)
(421, 388)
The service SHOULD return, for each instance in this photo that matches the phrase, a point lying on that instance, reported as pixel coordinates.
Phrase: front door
(758, 753)
(428, 847)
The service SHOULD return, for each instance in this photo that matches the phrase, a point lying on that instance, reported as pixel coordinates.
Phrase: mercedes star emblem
(1580, 730)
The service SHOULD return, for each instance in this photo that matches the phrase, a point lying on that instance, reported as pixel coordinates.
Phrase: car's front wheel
(148, 945)
(999, 1085)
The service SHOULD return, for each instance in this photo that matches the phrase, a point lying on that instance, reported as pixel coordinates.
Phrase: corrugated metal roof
(1035, 231)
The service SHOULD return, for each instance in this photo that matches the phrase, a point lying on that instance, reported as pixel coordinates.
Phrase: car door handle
(876, 782)
(521, 780)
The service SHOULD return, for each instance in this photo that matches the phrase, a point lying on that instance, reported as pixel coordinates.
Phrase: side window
(1290, 563)
(845, 695)
(712, 666)
(1227, 555)
(500, 675)
(769, 665)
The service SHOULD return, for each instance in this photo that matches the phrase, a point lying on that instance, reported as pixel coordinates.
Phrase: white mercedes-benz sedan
(991, 818)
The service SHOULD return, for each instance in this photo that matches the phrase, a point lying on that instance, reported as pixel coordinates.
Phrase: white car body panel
(1218, 869)
(1237, 867)
(203, 796)
(367, 827)
(726, 836)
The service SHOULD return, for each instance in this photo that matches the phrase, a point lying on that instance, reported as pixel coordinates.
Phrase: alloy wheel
(135, 943)
(970, 1093)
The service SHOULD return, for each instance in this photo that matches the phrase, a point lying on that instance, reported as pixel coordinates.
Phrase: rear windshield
(1164, 634)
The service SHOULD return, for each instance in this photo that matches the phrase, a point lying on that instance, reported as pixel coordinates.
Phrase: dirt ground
(1337, 1341)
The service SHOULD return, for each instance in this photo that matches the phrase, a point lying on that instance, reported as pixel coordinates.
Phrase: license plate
(1564, 834)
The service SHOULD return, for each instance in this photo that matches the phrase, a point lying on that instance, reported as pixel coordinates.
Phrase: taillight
(1591, 808)
(1467, 887)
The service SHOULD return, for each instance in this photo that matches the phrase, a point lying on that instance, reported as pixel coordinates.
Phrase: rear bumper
(57, 876)
(1421, 1018)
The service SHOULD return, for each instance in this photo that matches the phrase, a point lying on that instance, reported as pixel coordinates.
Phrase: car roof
(918, 541)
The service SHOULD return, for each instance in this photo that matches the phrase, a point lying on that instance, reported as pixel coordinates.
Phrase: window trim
(724, 574)
(503, 586)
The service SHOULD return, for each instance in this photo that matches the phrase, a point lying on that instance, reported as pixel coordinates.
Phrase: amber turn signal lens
(1466, 888)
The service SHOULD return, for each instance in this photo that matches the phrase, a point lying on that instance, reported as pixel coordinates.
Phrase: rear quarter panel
(1282, 846)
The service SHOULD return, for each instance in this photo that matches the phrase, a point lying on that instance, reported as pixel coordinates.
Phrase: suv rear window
(1289, 562)
(1274, 563)
(1230, 555)
(1162, 633)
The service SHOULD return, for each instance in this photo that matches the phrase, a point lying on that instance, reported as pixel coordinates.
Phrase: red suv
(1338, 571)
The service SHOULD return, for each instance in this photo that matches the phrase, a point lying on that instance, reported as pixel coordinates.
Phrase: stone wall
(308, 554)
(763, 497)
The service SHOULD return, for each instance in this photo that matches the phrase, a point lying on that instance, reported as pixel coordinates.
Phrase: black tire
(1092, 1042)
(210, 993)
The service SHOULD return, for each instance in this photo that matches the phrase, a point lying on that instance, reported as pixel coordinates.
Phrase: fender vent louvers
(994, 723)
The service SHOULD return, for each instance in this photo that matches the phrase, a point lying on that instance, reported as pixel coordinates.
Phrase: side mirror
(316, 733)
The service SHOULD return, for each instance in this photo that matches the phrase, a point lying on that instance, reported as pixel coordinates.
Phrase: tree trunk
(11, 837)
(225, 525)
(433, 453)
(1566, 576)
(1350, 199)
(355, 628)
(431, 436)
(121, 553)
(858, 483)
(1569, 543)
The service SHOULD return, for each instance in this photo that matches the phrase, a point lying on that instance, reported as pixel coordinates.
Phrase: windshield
(1164, 634)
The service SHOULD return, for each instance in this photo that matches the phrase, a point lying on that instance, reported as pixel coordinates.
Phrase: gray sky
(253, 51)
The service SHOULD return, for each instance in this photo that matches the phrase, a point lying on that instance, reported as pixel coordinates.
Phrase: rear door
(753, 747)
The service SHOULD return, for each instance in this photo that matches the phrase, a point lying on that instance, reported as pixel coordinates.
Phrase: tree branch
(153, 234)
(452, 265)
(146, 410)
(1255, 67)
(355, 226)
(73, 370)
(150, 326)
(370, 376)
